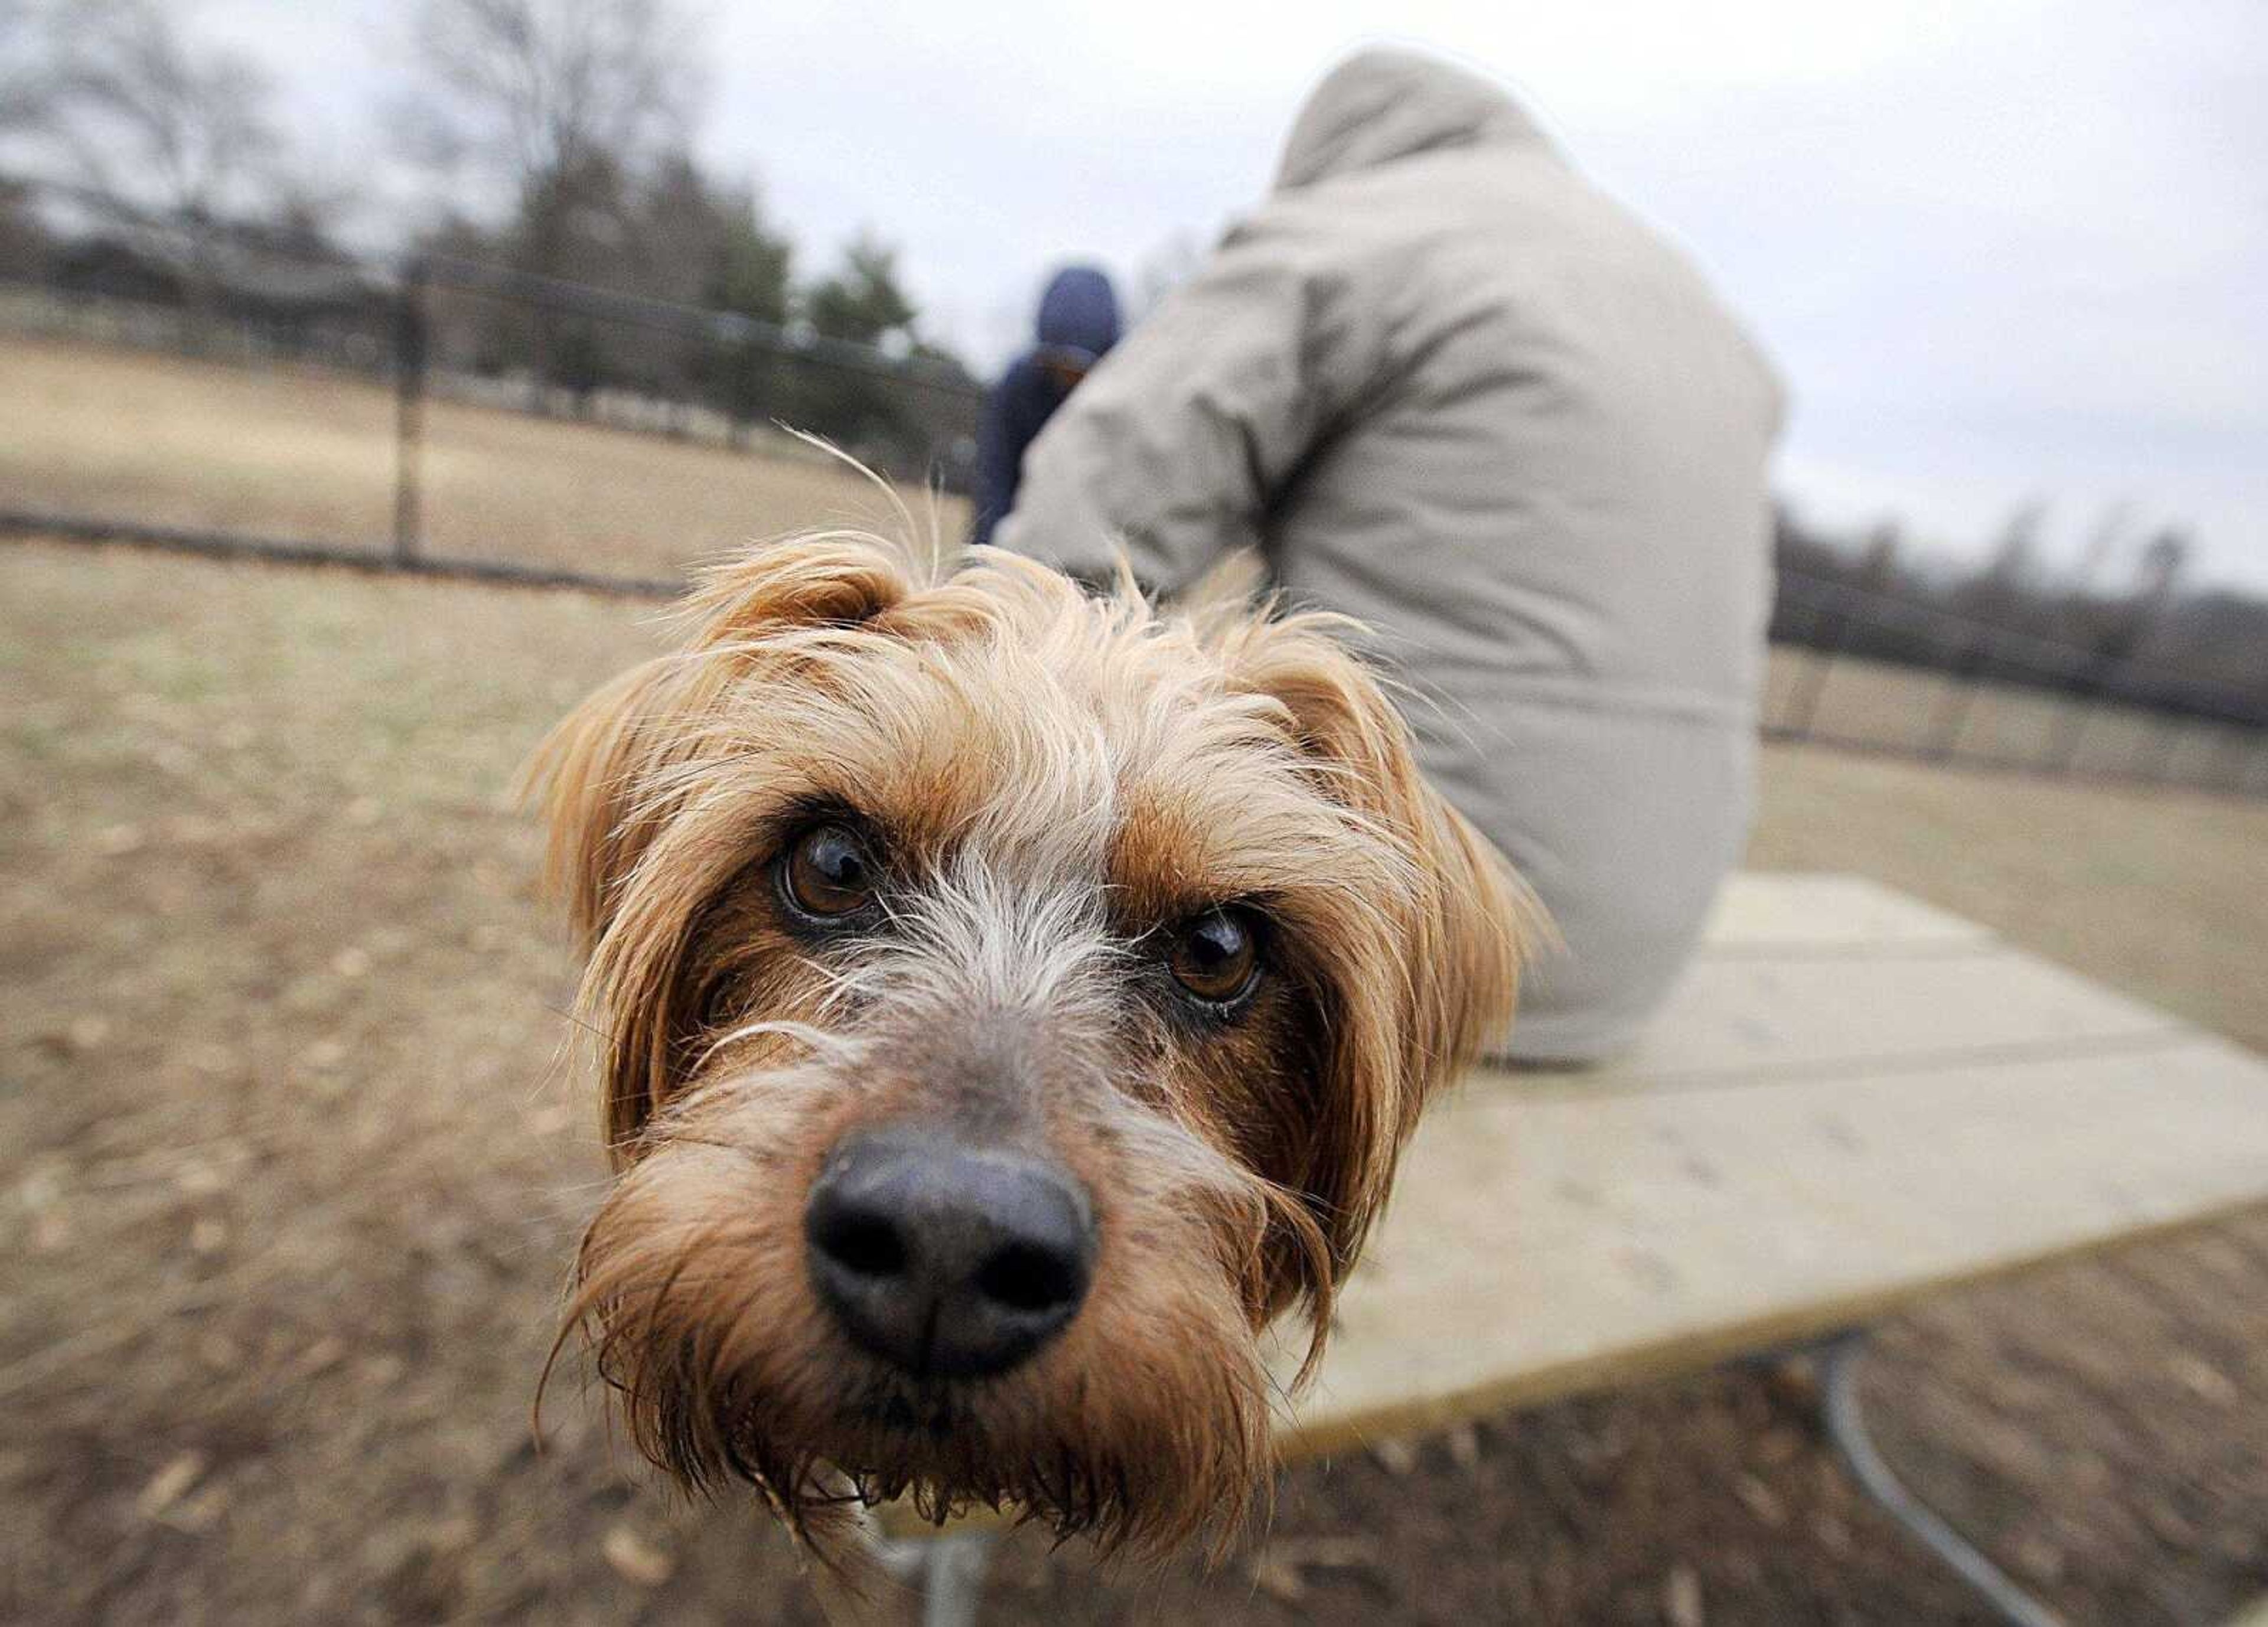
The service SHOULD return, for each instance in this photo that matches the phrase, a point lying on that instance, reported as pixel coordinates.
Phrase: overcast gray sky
(2002, 248)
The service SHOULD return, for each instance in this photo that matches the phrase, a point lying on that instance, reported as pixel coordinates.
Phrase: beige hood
(1381, 104)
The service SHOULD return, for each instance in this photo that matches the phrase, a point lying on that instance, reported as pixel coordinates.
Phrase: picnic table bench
(1851, 1100)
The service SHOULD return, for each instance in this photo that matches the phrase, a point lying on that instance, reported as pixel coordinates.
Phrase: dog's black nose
(946, 1260)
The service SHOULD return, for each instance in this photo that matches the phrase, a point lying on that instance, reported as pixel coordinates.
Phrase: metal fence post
(409, 345)
(1802, 709)
(2230, 763)
(2152, 760)
(1964, 680)
(2082, 699)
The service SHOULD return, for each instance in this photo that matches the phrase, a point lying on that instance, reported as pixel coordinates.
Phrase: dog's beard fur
(1056, 781)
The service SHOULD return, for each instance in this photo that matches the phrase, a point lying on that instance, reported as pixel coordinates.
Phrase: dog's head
(1008, 1001)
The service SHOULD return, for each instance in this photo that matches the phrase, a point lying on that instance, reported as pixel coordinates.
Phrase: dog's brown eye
(1217, 956)
(828, 872)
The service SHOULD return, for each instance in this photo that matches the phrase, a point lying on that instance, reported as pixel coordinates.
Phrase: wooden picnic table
(1852, 1100)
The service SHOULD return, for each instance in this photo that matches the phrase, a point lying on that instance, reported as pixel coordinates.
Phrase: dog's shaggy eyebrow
(1196, 843)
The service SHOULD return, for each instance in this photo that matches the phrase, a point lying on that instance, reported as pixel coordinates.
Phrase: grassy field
(1903, 709)
(290, 1169)
(309, 454)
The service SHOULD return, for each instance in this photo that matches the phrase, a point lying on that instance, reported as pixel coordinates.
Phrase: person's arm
(1002, 435)
(1174, 445)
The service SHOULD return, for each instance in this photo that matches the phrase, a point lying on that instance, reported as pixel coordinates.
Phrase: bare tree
(541, 92)
(25, 39)
(151, 121)
(2102, 542)
(2158, 573)
(2003, 589)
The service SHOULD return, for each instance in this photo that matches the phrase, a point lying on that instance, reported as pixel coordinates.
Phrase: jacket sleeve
(1173, 447)
(1005, 431)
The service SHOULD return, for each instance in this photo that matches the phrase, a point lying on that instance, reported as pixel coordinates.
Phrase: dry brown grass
(305, 454)
(309, 454)
(1903, 709)
(289, 1175)
(2161, 893)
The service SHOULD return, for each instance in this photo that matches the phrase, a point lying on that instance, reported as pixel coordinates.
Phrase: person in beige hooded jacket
(1442, 384)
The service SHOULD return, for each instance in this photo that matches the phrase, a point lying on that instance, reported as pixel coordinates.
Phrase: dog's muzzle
(944, 1259)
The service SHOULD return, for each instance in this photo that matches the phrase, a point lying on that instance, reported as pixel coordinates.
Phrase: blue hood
(1078, 314)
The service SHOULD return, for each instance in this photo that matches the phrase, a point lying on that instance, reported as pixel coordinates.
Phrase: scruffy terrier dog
(1009, 1000)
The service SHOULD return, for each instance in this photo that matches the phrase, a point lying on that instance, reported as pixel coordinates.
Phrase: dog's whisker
(812, 1038)
(565, 1015)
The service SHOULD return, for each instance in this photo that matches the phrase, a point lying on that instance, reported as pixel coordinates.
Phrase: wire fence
(1950, 687)
(447, 417)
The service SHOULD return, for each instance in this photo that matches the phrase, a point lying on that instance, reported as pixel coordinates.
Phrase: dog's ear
(615, 772)
(1423, 981)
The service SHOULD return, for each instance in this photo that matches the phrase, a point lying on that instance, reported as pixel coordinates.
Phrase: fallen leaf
(550, 1121)
(1281, 1570)
(324, 1354)
(167, 1486)
(1681, 1598)
(2039, 1558)
(1779, 1446)
(199, 1513)
(635, 1559)
(199, 1179)
(2203, 1379)
(1760, 1500)
(117, 841)
(1395, 1455)
(1279, 1579)
(453, 1535)
(43, 1187)
(2171, 1526)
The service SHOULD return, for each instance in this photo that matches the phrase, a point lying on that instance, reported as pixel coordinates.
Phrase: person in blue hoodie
(1077, 324)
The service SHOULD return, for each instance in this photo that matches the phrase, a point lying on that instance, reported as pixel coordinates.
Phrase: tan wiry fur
(1057, 779)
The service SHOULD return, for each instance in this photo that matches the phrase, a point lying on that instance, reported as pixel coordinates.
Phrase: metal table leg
(951, 1567)
(1846, 1428)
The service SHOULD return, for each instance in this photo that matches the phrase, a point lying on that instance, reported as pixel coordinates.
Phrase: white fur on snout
(971, 938)
(980, 944)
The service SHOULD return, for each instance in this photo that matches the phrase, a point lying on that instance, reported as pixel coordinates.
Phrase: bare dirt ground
(288, 1173)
